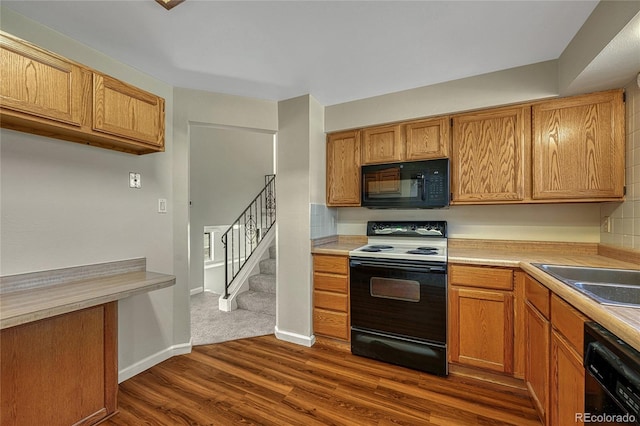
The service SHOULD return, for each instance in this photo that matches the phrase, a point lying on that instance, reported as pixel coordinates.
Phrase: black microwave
(414, 185)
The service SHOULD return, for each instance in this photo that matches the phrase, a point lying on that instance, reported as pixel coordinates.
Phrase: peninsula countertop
(34, 296)
(622, 321)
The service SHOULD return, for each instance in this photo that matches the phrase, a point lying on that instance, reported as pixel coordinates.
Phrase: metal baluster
(253, 230)
(226, 272)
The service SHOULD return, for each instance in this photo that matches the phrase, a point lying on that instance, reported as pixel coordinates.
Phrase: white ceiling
(337, 51)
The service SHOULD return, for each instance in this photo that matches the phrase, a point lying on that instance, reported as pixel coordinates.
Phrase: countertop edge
(152, 281)
(613, 318)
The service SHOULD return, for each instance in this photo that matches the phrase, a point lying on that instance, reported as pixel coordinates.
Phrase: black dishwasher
(612, 379)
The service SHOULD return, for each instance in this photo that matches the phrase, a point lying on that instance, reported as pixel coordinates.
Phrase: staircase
(261, 296)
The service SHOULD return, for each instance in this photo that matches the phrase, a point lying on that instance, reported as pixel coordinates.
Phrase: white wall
(298, 136)
(227, 171)
(197, 108)
(66, 204)
(625, 217)
(514, 85)
(599, 57)
(548, 222)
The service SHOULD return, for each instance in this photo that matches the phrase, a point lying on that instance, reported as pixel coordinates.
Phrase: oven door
(399, 298)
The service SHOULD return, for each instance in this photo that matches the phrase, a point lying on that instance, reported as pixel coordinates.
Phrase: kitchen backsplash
(323, 221)
(625, 217)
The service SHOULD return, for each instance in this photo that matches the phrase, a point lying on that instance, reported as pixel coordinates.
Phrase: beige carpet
(210, 325)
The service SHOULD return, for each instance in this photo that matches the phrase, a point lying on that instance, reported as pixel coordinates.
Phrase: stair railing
(248, 230)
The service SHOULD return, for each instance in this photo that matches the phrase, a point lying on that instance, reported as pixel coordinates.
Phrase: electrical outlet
(134, 180)
(162, 205)
(605, 226)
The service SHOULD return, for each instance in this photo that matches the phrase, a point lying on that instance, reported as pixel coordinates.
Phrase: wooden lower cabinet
(567, 370)
(481, 312)
(554, 371)
(567, 382)
(537, 335)
(537, 331)
(331, 296)
(60, 370)
(485, 336)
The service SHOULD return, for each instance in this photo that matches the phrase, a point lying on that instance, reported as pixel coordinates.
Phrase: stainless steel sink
(619, 287)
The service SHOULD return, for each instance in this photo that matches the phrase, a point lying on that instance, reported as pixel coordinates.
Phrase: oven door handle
(436, 269)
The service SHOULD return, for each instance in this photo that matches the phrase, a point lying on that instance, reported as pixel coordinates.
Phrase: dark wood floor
(264, 381)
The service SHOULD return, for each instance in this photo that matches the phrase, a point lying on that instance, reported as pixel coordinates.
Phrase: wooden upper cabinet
(343, 169)
(427, 139)
(38, 82)
(578, 147)
(408, 141)
(489, 155)
(45, 94)
(382, 144)
(126, 111)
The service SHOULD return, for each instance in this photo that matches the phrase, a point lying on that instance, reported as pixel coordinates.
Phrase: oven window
(390, 288)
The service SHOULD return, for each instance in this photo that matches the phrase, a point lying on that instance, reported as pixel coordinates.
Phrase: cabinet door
(126, 111)
(60, 370)
(481, 328)
(39, 83)
(567, 383)
(537, 330)
(343, 169)
(578, 148)
(488, 155)
(382, 145)
(426, 139)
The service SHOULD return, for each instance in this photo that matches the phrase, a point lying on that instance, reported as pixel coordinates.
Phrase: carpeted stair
(261, 296)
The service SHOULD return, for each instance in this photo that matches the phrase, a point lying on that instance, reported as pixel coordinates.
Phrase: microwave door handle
(420, 177)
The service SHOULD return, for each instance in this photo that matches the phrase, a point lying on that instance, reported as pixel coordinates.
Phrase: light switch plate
(162, 205)
(605, 226)
(134, 180)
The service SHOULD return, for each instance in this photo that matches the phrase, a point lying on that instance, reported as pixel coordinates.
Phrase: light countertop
(622, 321)
(35, 296)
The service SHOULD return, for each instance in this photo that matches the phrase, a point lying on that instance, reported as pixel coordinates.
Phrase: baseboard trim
(194, 291)
(298, 339)
(150, 361)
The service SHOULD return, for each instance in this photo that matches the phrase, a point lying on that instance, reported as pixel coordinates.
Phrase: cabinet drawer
(330, 282)
(479, 276)
(329, 323)
(332, 301)
(569, 322)
(537, 295)
(332, 264)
